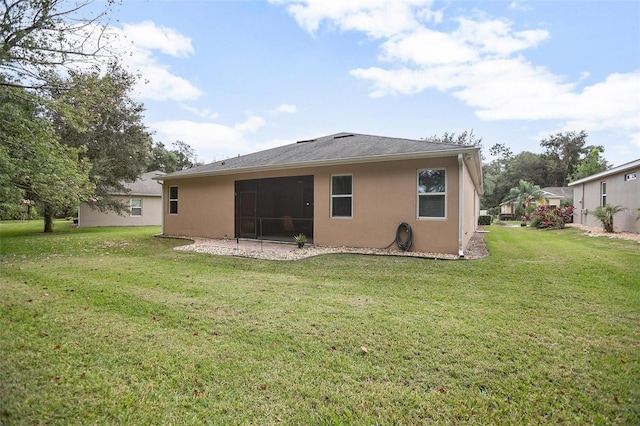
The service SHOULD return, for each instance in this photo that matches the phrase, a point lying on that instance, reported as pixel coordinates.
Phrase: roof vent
(305, 141)
(344, 135)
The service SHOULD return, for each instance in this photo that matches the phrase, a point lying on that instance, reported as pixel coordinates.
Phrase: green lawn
(112, 326)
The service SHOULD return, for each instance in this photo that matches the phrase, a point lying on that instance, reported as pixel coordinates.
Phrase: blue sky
(234, 77)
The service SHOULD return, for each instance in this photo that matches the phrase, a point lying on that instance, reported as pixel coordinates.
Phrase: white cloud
(496, 36)
(146, 35)
(427, 47)
(408, 81)
(519, 5)
(250, 125)
(210, 140)
(506, 89)
(136, 47)
(376, 18)
(141, 42)
(611, 104)
(480, 61)
(200, 112)
(434, 16)
(286, 109)
(160, 84)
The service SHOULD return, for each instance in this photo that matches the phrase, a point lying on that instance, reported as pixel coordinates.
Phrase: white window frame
(131, 207)
(350, 196)
(630, 176)
(419, 194)
(603, 194)
(174, 200)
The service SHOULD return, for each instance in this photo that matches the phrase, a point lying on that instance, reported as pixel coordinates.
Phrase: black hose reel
(404, 230)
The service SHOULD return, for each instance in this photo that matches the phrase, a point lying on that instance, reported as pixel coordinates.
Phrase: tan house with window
(145, 206)
(617, 186)
(556, 195)
(340, 190)
(553, 196)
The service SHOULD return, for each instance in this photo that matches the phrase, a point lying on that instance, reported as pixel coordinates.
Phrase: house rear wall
(384, 195)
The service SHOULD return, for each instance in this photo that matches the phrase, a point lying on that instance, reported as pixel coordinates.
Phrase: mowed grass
(112, 326)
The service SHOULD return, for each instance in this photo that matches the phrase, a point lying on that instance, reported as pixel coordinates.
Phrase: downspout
(162, 199)
(460, 205)
(583, 209)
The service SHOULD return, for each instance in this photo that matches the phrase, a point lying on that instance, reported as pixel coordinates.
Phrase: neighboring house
(508, 210)
(144, 199)
(555, 195)
(617, 186)
(340, 190)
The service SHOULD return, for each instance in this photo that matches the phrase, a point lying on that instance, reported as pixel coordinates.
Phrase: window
(136, 207)
(173, 200)
(342, 196)
(630, 176)
(432, 197)
(603, 193)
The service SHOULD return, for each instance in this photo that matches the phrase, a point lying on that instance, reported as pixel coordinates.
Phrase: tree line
(70, 130)
(566, 157)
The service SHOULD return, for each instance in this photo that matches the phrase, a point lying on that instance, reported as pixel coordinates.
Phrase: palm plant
(605, 215)
(524, 196)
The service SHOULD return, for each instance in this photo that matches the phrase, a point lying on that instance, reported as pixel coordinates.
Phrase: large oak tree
(64, 115)
(40, 37)
(34, 165)
(563, 152)
(113, 135)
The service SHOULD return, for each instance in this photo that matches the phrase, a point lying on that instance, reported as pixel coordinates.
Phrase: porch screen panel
(283, 206)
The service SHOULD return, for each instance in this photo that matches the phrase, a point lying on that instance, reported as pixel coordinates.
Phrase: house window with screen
(603, 193)
(173, 200)
(342, 196)
(432, 193)
(136, 207)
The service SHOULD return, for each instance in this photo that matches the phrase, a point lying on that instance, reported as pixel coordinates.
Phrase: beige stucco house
(556, 195)
(341, 190)
(553, 196)
(617, 186)
(145, 206)
(508, 210)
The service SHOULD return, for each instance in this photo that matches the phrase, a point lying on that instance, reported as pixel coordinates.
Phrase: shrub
(567, 202)
(485, 220)
(547, 217)
(605, 215)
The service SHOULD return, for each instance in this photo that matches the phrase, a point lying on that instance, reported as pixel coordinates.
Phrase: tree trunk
(48, 219)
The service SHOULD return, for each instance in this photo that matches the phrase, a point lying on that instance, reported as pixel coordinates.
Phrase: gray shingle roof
(340, 147)
(145, 185)
(559, 191)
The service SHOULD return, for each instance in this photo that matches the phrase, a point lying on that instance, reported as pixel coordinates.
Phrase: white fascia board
(618, 169)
